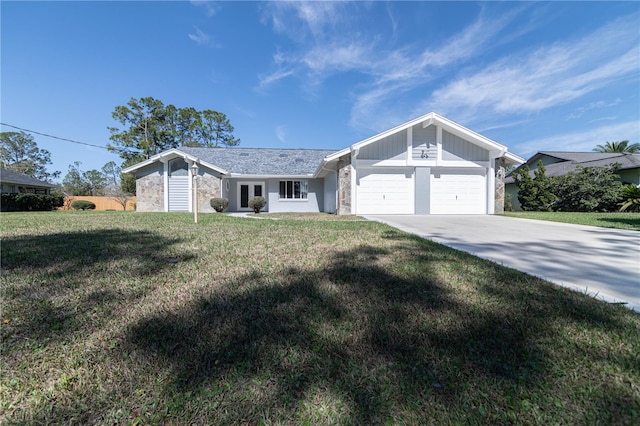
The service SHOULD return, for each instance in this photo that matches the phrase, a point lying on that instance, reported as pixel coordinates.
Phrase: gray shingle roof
(262, 161)
(581, 157)
(571, 160)
(20, 179)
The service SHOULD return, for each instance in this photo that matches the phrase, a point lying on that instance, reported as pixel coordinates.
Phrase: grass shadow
(361, 341)
(59, 285)
(358, 324)
(634, 223)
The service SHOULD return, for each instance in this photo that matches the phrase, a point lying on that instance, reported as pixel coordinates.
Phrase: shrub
(587, 189)
(83, 205)
(508, 202)
(257, 203)
(534, 194)
(630, 198)
(219, 204)
(22, 202)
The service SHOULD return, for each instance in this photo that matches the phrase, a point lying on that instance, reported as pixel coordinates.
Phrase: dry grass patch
(293, 322)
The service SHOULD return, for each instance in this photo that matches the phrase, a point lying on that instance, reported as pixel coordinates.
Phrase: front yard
(132, 318)
(606, 220)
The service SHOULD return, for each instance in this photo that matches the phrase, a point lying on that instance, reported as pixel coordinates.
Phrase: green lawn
(133, 318)
(606, 220)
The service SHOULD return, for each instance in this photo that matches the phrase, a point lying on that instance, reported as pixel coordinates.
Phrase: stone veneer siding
(208, 188)
(150, 194)
(499, 187)
(344, 185)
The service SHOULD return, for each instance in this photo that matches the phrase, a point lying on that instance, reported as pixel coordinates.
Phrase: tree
(128, 180)
(147, 122)
(588, 189)
(20, 153)
(111, 172)
(216, 130)
(534, 194)
(151, 127)
(78, 182)
(621, 146)
(113, 188)
(188, 124)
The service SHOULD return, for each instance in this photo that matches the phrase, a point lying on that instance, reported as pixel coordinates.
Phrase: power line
(63, 139)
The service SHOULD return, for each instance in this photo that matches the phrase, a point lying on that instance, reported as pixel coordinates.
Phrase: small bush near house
(257, 203)
(24, 202)
(630, 198)
(508, 202)
(83, 205)
(219, 204)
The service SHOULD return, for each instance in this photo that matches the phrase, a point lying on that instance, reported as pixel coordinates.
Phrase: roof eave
(513, 159)
(174, 153)
(269, 176)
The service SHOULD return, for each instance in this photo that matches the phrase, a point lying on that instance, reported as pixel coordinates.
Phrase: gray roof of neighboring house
(20, 179)
(579, 157)
(571, 160)
(262, 161)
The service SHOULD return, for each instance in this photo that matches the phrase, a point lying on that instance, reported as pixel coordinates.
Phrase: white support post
(165, 183)
(194, 169)
(409, 145)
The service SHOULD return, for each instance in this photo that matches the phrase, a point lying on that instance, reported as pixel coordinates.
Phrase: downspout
(491, 180)
(165, 182)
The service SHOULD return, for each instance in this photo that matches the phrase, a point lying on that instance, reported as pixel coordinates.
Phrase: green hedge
(83, 205)
(24, 202)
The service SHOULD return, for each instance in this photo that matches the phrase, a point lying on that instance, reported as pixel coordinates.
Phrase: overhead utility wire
(62, 139)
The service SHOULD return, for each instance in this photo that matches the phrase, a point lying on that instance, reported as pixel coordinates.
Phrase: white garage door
(455, 191)
(384, 191)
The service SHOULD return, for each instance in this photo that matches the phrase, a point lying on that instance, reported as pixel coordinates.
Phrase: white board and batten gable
(429, 165)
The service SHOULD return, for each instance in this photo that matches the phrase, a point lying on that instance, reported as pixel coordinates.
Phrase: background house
(429, 165)
(558, 163)
(12, 182)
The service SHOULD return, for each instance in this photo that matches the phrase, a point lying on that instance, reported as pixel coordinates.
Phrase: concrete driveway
(598, 261)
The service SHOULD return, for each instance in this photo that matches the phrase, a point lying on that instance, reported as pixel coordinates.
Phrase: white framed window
(294, 189)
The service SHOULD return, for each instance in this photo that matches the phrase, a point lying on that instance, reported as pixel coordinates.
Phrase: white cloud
(579, 112)
(547, 77)
(580, 141)
(399, 72)
(328, 40)
(267, 80)
(301, 19)
(210, 8)
(200, 37)
(281, 133)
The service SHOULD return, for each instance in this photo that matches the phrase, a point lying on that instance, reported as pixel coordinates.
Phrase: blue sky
(532, 76)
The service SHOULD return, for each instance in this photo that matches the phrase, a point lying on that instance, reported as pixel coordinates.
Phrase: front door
(248, 190)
